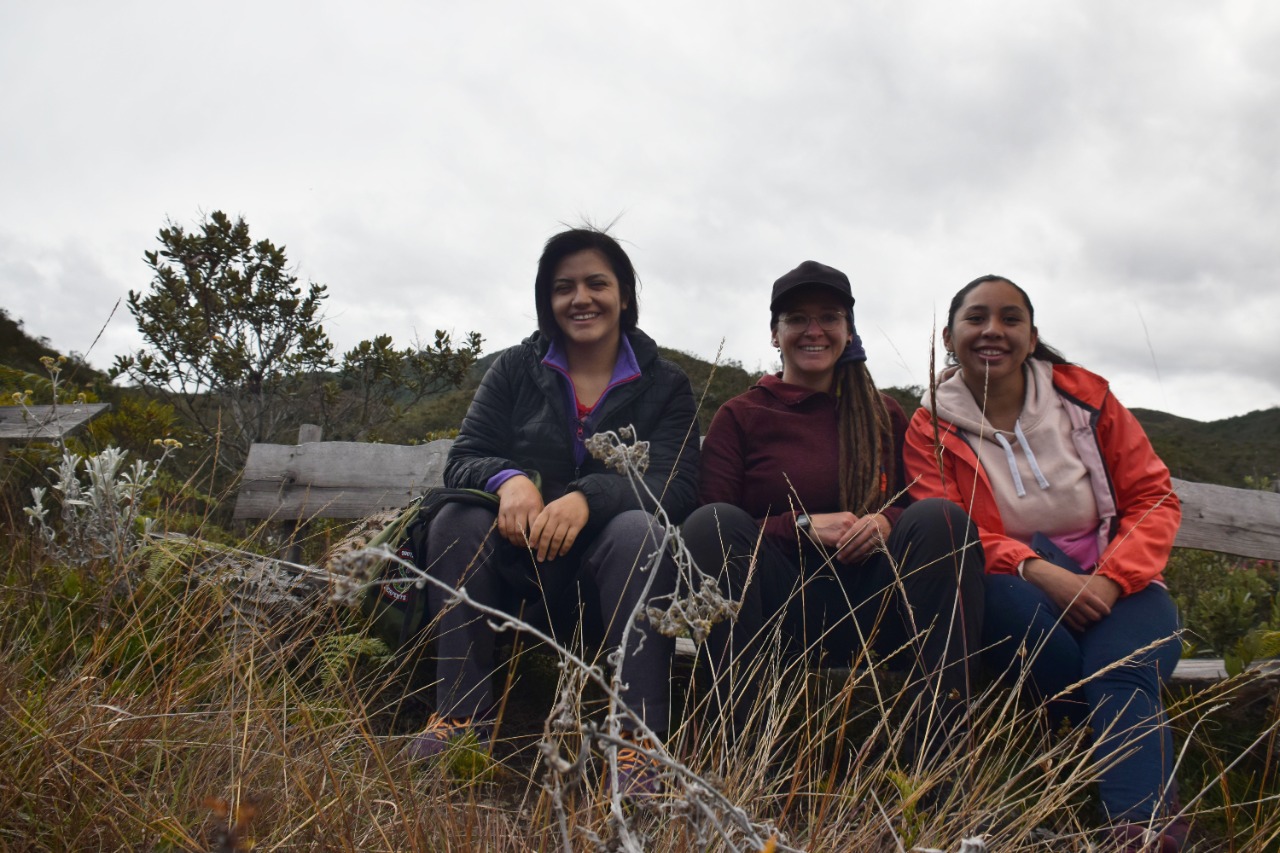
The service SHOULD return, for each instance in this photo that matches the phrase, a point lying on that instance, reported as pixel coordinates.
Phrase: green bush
(1228, 604)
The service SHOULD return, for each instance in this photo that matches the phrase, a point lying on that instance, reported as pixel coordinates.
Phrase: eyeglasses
(828, 321)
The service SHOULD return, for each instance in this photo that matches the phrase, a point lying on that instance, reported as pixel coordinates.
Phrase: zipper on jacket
(581, 428)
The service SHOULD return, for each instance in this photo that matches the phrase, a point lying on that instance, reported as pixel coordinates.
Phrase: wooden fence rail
(293, 484)
(337, 479)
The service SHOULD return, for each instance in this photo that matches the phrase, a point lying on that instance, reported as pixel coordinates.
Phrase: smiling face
(809, 354)
(991, 336)
(586, 300)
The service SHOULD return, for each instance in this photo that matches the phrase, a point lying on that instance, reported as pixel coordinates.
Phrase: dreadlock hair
(866, 436)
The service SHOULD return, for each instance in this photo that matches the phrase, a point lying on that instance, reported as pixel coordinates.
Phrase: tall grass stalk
(142, 707)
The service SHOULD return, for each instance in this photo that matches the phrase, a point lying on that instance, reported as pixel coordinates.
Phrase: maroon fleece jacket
(773, 451)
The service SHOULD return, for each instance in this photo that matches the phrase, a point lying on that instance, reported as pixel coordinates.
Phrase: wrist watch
(803, 523)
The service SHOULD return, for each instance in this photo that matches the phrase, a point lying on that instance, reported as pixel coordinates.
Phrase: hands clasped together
(549, 530)
(854, 537)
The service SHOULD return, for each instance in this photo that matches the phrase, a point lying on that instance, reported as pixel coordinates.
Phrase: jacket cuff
(1126, 584)
(495, 482)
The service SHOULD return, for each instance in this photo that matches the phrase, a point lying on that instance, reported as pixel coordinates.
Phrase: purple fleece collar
(625, 368)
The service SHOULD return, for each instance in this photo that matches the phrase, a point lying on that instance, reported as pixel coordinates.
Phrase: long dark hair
(1043, 351)
(571, 242)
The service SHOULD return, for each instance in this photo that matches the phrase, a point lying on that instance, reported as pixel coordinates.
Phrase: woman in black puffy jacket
(587, 369)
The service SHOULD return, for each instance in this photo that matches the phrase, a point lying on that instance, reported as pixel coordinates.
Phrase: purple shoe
(639, 776)
(1176, 832)
(442, 733)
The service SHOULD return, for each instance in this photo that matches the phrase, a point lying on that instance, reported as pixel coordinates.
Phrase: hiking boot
(639, 776)
(441, 733)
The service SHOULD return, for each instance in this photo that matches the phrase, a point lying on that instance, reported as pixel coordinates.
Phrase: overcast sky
(1121, 161)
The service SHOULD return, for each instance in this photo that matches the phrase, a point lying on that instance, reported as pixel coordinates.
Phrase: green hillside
(18, 349)
(1225, 452)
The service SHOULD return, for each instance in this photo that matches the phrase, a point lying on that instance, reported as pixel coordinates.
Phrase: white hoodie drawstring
(1013, 462)
(1031, 457)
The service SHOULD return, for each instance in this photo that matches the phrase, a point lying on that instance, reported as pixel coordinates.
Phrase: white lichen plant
(694, 607)
(96, 501)
(97, 517)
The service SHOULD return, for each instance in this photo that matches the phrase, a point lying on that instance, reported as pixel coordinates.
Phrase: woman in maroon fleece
(806, 521)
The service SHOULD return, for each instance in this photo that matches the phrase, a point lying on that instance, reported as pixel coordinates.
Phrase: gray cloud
(1115, 159)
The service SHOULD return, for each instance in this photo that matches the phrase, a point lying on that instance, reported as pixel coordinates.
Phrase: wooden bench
(293, 484)
(24, 424)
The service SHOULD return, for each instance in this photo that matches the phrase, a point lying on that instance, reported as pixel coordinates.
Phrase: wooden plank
(1188, 670)
(46, 423)
(1243, 522)
(350, 480)
(335, 479)
(1213, 669)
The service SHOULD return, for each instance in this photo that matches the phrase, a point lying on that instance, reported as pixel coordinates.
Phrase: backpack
(396, 609)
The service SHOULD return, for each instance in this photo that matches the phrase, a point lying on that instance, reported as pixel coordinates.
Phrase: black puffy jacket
(518, 419)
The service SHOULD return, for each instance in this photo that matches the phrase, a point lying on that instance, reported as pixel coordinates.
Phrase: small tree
(378, 383)
(230, 335)
(236, 346)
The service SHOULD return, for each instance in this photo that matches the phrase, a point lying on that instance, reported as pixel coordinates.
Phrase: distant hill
(1224, 452)
(18, 349)
(21, 352)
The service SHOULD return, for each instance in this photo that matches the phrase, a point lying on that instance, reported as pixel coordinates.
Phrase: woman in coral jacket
(1077, 517)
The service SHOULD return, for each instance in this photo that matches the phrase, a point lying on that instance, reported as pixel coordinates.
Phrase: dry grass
(131, 717)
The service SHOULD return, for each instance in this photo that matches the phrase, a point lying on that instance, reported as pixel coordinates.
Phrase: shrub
(1228, 604)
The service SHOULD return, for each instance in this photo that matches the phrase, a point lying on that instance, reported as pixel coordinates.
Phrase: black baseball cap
(808, 274)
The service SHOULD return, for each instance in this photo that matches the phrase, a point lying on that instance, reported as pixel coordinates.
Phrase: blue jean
(1123, 706)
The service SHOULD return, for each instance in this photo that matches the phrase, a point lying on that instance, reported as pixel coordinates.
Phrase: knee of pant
(1138, 673)
(634, 528)
(631, 540)
(940, 514)
(940, 529)
(705, 533)
(460, 521)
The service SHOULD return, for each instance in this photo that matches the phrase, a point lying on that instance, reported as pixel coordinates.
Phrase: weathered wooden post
(292, 531)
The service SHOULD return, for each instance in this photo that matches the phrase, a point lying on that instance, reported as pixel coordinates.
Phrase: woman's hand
(558, 525)
(1083, 599)
(519, 503)
(851, 536)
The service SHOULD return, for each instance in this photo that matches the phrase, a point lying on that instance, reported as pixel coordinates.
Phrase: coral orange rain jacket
(1139, 511)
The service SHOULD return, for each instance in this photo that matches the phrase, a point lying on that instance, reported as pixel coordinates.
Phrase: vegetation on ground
(157, 699)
